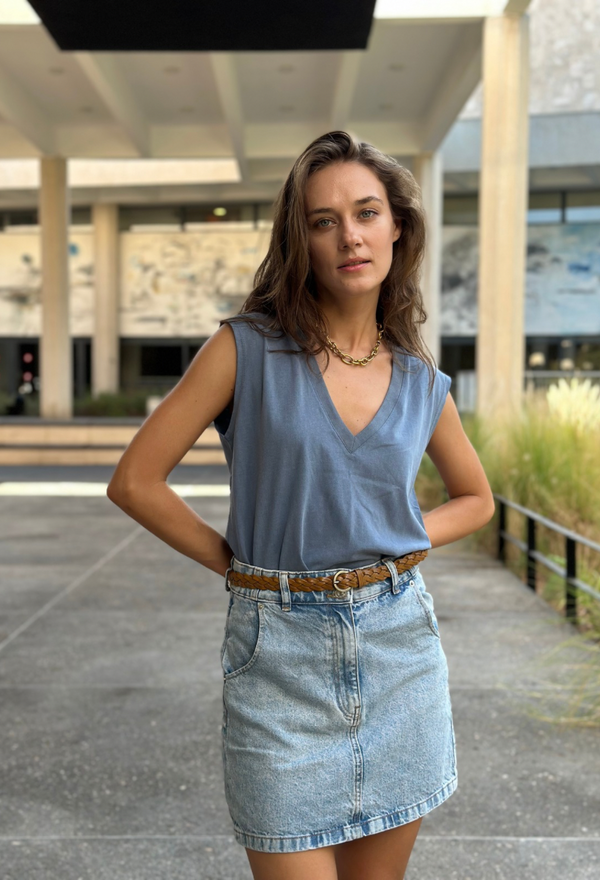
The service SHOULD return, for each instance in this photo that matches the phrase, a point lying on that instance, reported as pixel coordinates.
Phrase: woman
(337, 724)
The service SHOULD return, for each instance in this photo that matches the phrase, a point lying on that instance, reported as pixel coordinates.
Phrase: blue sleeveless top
(306, 494)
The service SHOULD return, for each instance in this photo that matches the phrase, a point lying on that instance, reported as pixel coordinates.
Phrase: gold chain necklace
(357, 362)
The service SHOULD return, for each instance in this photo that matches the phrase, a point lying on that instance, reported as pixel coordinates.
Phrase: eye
(325, 220)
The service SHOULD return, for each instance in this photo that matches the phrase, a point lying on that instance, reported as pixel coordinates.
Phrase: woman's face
(348, 216)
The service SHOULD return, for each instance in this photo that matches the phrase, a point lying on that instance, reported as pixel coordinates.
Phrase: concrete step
(28, 441)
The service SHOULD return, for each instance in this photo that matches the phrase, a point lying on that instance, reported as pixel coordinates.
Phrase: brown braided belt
(342, 580)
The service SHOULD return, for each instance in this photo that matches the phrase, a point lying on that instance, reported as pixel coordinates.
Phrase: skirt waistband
(324, 585)
(342, 579)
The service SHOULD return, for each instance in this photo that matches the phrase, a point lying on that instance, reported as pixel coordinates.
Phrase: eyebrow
(357, 202)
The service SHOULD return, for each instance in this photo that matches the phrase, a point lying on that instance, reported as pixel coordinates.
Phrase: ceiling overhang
(252, 86)
(206, 26)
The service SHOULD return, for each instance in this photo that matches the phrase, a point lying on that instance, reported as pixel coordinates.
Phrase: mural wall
(172, 284)
(21, 285)
(562, 287)
(180, 284)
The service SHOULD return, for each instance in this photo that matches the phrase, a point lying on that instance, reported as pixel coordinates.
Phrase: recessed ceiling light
(56, 70)
(220, 212)
(286, 108)
(286, 68)
(397, 66)
(172, 69)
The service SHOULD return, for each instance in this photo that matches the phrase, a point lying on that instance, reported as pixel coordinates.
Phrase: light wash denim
(337, 721)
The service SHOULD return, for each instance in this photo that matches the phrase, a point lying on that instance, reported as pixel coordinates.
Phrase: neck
(354, 330)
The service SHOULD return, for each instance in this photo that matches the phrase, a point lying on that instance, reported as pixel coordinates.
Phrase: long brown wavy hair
(284, 287)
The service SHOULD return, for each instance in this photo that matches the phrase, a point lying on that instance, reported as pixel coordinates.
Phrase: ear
(398, 231)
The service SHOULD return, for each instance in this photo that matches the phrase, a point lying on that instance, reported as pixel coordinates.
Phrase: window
(206, 213)
(145, 215)
(12, 217)
(587, 355)
(461, 210)
(544, 207)
(583, 207)
(160, 360)
(265, 212)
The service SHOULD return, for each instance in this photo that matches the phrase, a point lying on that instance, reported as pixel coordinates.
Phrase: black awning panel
(201, 26)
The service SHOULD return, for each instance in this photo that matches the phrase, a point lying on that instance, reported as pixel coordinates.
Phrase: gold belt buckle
(335, 586)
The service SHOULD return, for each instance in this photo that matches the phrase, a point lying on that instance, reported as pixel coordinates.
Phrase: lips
(353, 263)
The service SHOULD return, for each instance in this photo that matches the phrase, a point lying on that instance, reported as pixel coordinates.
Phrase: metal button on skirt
(337, 721)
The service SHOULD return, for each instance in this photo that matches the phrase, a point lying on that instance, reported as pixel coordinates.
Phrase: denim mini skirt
(337, 721)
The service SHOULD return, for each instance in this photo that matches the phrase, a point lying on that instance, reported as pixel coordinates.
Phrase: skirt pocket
(244, 634)
(426, 602)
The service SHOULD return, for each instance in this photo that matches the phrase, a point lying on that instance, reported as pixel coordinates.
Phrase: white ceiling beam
(456, 85)
(516, 7)
(105, 75)
(226, 80)
(275, 140)
(24, 114)
(444, 10)
(344, 89)
(269, 170)
(17, 12)
(398, 138)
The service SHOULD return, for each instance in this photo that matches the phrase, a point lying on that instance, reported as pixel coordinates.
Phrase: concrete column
(105, 343)
(56, 358)
(428, 171)
(503, 196)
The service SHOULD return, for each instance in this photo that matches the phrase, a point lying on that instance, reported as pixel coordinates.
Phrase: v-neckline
(353, 441)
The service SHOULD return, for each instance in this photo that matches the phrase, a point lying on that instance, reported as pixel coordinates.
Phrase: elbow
(120, 485)
(112, 495)
(116, 493)
(490, 508)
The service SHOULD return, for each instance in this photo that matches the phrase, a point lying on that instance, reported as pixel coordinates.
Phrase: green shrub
(546, 459)
(550, 464)
(131, 403)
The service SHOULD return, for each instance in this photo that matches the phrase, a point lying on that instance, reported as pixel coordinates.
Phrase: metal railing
(541, 380)
(569, 574)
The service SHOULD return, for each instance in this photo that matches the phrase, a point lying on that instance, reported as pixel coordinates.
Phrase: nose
(350, 233)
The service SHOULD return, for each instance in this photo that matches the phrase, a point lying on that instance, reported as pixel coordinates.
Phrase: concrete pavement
(110, 708)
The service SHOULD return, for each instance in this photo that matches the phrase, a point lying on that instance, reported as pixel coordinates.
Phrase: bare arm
(138, 485)
(471, 503)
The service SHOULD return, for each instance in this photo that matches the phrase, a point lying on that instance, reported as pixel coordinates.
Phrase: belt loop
(394, 573)
(286, 596)
(227, 573)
